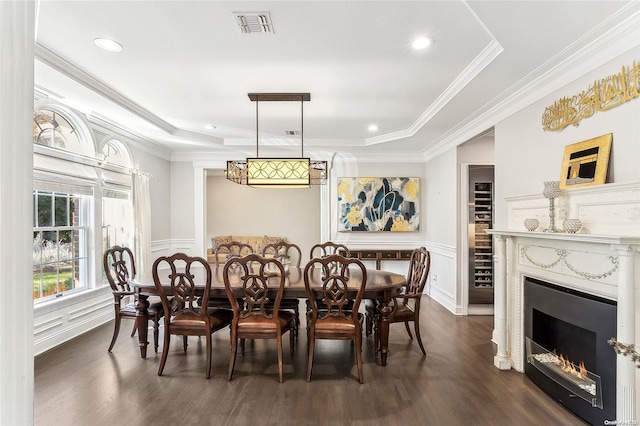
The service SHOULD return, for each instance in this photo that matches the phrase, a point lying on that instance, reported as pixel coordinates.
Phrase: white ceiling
(186, 64)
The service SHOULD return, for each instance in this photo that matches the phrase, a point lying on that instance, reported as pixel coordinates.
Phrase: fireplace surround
(601, 261)
(566, 330)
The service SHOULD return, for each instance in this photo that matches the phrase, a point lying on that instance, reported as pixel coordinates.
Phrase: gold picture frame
(585, 163)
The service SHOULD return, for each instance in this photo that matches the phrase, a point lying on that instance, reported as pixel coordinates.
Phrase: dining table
(381, 285)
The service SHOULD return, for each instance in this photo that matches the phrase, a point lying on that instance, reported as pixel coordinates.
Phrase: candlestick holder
(552, 191)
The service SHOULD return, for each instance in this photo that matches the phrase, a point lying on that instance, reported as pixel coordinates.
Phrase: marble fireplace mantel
(602, 259)
(602, 265)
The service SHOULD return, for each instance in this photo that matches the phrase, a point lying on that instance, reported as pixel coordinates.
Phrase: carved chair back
(119, 267)
(177, 273)
(259, 276)
(232, 249)
(335, 275)
(286, 253)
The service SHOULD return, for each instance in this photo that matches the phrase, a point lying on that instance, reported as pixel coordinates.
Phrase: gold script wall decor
(605, 94)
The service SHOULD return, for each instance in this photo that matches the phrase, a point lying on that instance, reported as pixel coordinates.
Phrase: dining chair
(230, 250)
(328, 248)
(119, 267)
(227, 251)
(401, 309)
(174, 275)
(288, 254)
(259, 279)
(333, 320)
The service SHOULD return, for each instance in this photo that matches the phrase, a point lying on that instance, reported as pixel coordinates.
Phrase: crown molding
(604, 43)
(55, 61)
(218, 159)
(109, 128)
(480, 62)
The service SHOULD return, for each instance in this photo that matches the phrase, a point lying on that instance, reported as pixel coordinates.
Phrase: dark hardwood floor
(80, 383)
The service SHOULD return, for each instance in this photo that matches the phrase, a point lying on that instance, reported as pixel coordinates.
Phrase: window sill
(55, 304)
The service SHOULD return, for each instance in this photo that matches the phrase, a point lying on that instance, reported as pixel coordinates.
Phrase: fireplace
(599, 266)
(566, 331)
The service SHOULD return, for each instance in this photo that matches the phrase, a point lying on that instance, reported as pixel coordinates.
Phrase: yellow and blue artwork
(373, 204)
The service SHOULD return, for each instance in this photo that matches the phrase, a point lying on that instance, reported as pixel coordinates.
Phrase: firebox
(567, 354)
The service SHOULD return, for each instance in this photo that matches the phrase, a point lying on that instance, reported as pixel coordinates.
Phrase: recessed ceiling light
(108, 44)
(422, 42)
(209, 127)
(373, 128)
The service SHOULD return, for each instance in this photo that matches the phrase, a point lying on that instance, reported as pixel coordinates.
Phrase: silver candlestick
(551, 191)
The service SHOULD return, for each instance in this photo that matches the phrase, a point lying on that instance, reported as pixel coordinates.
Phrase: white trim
(572, 63)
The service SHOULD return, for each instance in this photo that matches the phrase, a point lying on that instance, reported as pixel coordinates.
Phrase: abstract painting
(373, 204)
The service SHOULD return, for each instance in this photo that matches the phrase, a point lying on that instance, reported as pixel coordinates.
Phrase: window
(82, 203)
(52, 129)
(59, 243)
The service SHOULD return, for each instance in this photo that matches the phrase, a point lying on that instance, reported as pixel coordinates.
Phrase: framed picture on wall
(586, 163)
(378, 204)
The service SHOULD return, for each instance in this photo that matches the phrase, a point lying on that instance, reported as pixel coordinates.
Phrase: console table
(378, 255)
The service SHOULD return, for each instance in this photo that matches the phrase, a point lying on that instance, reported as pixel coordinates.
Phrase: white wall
(526, 155)
(159, 188)
(182, 199)
(234, 209)
(441, 183)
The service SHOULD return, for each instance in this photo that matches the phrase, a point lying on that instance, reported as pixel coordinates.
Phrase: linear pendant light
(259, 172)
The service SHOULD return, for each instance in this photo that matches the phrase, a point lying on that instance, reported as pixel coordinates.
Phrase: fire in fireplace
(568, 356)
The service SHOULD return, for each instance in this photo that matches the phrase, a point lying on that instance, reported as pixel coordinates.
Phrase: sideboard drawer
(368, 255)
(389, 255)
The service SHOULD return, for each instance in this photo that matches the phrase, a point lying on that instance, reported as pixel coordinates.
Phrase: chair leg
(292, 342)
(358, 341)
(116, 330)
(185, 342)
(165, 352)
(208, 342)
(416, 325)
(156, 328)
(280, 362)
(232, 358)
(368, 325)
(311, 343)
(406, 325)
(135, 328)
(376, 337)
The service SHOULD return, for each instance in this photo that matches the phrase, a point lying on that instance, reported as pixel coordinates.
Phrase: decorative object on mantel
(585, 163)
(622, 349)
(278, 172)
(605, 94)
(531, 224)
(551, 191)
(378, 204)
(572, 225)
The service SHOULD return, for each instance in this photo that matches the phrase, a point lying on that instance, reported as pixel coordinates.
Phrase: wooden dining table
(381, 285)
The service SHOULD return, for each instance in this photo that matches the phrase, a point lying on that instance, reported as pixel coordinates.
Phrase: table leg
(385, 311)
(142, 321)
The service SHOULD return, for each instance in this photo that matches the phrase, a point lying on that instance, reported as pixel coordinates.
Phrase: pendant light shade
(259, 172)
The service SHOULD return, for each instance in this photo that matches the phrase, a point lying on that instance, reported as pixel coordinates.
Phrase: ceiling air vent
(254, 22)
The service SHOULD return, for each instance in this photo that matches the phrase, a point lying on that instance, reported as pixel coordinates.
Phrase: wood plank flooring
(80, 383)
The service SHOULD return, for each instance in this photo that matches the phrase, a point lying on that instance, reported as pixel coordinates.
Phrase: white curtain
(141, 222)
